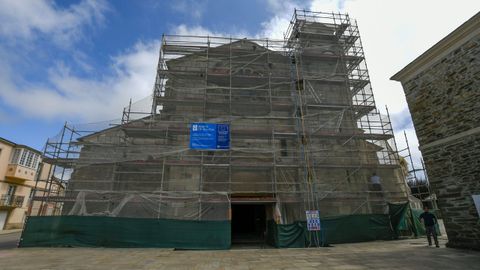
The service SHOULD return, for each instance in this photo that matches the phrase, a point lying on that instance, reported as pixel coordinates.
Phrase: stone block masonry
(444, 101)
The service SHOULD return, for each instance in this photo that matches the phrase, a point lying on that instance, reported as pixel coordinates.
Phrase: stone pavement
(9, 240)
(401, 254)
(10, 231)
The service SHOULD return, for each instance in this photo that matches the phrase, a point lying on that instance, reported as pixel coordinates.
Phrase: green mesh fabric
(335, 230)
(399, 216)
(80, 231)
(287, 235)
(357, 228)
(418, 227)
(405, 220)
(181, 234)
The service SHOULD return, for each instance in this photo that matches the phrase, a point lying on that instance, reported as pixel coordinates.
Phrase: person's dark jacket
(429, 219)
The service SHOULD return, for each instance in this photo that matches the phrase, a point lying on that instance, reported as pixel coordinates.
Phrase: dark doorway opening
(248, 224)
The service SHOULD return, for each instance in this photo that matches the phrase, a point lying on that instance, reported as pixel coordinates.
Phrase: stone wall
(454, 170)
(444, 101)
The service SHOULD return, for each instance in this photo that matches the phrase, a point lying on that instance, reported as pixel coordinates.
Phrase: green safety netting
(125, 232)
(183, 234)
(401, 220)
(293, 235)
(418, 228)
(405, 220)
(335, 230)
(357, 228)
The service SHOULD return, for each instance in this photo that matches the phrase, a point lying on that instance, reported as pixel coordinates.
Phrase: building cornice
(15, 145)
(456, 138)
(448, 44)
(7, 141)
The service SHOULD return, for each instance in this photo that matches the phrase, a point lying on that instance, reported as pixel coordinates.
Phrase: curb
(10, 231)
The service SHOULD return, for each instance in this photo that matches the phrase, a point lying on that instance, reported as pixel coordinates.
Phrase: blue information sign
(313, 220)
(223, 136)
(207, 136)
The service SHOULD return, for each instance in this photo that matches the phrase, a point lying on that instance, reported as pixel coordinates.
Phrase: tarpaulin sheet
(399, 217)
(287, 235)
(418, 227)
(357, 228)
(335, 230)
(125, 232)
(405, 220)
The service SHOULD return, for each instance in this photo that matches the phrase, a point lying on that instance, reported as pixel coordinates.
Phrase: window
(23, 158)
(28, 162)
(11, 190)
(35, 161)
(15, 156)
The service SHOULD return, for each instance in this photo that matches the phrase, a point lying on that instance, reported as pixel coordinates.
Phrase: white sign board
(313, 220)
(476, 200)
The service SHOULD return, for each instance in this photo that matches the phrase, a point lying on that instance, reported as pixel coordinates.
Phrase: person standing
(429, 220)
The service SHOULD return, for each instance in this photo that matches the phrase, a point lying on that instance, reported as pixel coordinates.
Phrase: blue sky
(96, 37)
(81, 61)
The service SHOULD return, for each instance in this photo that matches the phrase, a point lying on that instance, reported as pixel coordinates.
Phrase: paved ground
(10, 231)
(9, 239)
(402, 254)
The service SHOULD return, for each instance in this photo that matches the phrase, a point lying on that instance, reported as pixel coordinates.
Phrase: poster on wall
(209, 136)
(313, 220)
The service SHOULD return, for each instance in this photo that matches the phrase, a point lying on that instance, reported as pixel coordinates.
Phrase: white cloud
(196, 30)
(63, 94)
(192, 8)
(72, 97)
(393, 34)
(82, 61)
(413, 143)
(396, 32)
(326, 5)
(27, 18)
(282, 11)
(275, 27)
(272, 28)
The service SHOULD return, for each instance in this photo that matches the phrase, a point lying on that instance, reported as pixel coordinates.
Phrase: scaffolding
(417, 178)
(305, 133)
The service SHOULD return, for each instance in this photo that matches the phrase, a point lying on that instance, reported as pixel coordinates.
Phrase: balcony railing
(11, 200)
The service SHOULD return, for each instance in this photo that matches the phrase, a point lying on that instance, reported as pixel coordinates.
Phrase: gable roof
(7, 141)
(242, 42)
(111, 129)
(16, 145)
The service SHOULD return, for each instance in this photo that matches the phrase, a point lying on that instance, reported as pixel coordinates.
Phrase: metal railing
(11, 200)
